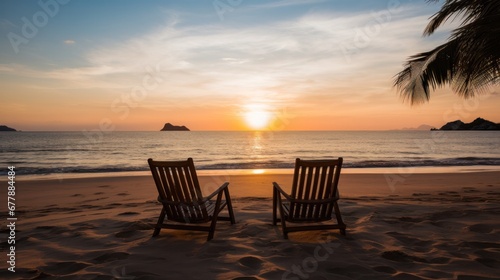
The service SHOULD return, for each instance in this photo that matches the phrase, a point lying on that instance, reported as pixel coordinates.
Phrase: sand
(411, 226)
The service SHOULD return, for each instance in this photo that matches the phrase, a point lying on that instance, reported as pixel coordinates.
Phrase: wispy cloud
(285, 3)
(278, 62)
(69, 42)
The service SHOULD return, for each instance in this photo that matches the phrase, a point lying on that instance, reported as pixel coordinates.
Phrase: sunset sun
(257, 118)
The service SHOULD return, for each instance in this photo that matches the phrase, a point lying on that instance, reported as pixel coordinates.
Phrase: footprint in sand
(125, 234)
(408, 240)
(440, 260)
(399, 256)
(470, 190)
(53, 229)
(81, 226)
(410, 219)
(480, 245)
(489, 262)
(347, 270)
(273, 274)
(449, 193)
(128, 214)
(63, 268)
(493, 193)
(421, 194)
(251, 262)
(481, 228)
(132, 229)
(109, 257)
(385, 269)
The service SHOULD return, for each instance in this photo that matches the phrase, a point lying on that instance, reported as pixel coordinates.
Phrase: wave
(210, 165)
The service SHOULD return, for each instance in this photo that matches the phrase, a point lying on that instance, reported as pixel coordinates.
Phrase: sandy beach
(411, 226)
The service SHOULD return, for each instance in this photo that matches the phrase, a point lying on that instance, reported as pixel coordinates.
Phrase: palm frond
(426, 71)
(470, 9)
(469, 62)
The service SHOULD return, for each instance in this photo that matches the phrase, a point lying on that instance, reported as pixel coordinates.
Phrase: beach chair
(183, 203)
(313, 198)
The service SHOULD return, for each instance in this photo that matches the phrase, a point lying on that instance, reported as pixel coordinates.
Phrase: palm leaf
(468, 62)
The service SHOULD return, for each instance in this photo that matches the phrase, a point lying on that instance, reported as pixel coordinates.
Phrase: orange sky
(307, 65)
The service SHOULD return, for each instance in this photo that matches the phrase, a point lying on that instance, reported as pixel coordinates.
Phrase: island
(477, 124)
(6, 128)
(420, 127)
(171, 127)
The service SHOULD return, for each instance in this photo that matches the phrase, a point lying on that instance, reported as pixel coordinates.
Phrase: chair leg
(213, 224)
(275, 205)
(229, 206)
(339, 217)
(211, 231)
(283, 227)
(282, 218)
(159, 223)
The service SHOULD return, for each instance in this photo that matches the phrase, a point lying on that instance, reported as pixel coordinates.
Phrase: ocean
(39, 153)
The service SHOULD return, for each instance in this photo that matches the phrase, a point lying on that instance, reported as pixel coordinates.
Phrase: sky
(105, 65)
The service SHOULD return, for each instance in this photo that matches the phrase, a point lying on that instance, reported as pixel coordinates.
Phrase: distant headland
(171, 127)
(477, 124)
(6, 128)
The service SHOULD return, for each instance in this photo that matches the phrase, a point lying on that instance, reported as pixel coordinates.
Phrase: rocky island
(6, 128)
(171, 127)
(477, 124)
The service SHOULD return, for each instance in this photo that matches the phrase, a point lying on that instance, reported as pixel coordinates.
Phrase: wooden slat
(325, 212)
(171, 182)
(171, 211)
(314, 190)
(321, 190)
(176, 186)
(331, 192)
(200, 210)
(296, 183)
(307, 191)
(186, 197)
(194, 178)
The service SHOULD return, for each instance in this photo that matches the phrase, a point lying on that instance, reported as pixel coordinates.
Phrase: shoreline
(274, 171)
(260, 185)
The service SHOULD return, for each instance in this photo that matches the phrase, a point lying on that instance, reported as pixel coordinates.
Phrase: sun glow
(257, 117)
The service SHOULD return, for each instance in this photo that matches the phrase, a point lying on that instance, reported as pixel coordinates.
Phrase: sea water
(77, 152)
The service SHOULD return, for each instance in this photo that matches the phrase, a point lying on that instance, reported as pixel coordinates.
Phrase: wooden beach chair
(313, 198)
(183, 203)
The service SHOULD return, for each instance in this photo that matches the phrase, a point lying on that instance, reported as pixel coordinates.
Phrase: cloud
(69, 42)
(285, 3)
(322, 53)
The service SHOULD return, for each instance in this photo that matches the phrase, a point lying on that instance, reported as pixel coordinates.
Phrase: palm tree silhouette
(468, 61)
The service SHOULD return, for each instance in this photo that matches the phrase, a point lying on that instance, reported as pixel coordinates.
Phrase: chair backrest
(315, 186)
(179, 190)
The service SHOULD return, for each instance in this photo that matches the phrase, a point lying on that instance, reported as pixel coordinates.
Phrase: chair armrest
(221, 188)
(304, 201)
(277, 187)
